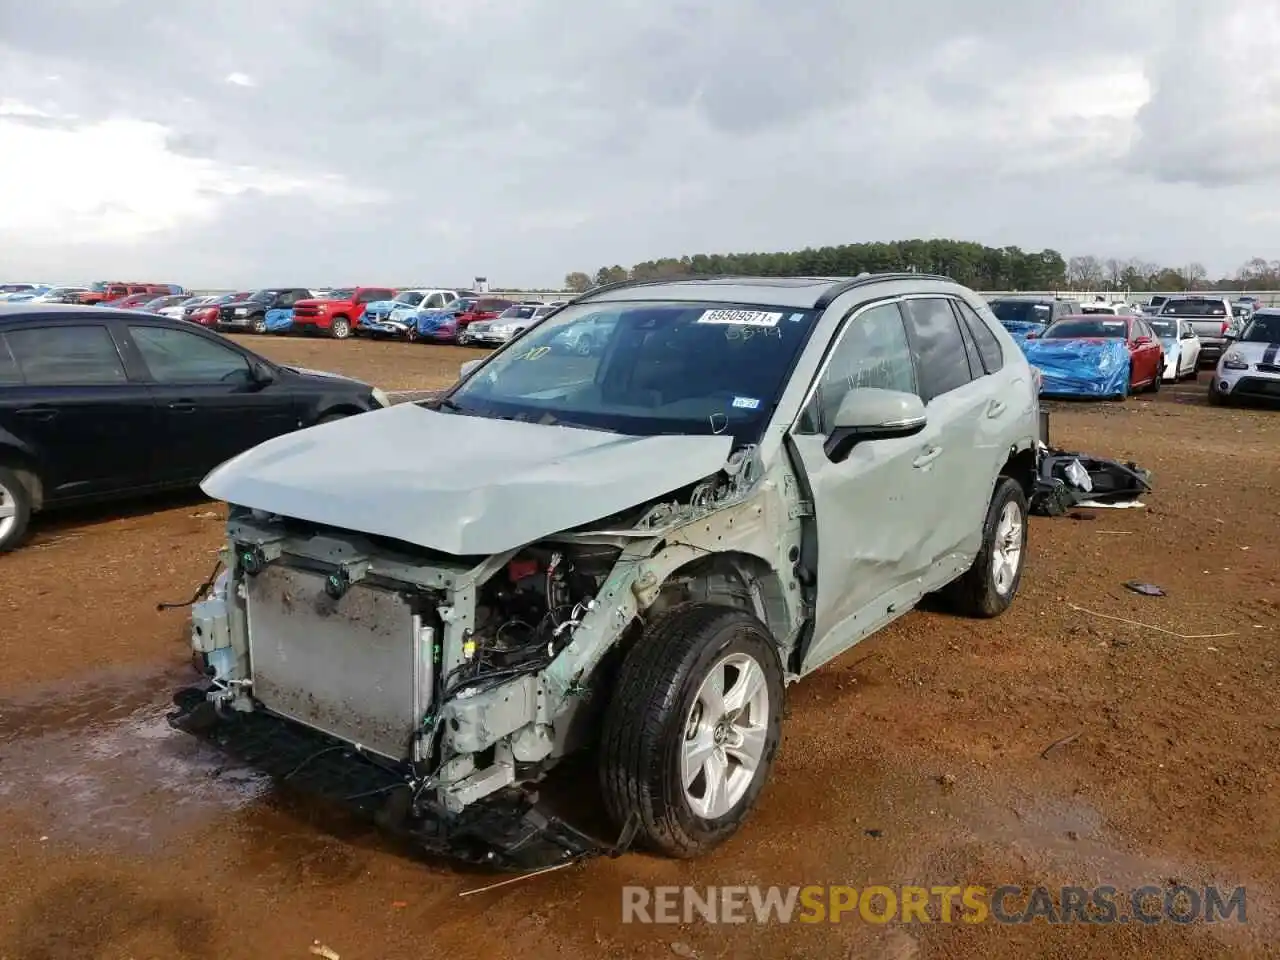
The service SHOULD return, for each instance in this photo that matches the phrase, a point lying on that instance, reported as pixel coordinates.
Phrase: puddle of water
(101, 765)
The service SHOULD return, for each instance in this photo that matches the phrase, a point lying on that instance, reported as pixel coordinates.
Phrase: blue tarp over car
(1170, 347)
(1018, 329)
(1080, 368)
(429, 320)
(279, 320)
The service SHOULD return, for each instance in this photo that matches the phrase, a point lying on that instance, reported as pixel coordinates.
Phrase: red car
(207, 314)
(132, 302)
(1146, 355)
(339, 312)
(485, 308)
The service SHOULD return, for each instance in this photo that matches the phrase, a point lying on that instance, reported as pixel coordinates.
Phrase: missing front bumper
(507, 831)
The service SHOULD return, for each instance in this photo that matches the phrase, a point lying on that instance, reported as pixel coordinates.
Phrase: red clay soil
(917, 758)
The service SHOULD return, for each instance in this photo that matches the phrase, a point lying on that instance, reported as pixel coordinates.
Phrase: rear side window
(988, 346)
(9, 372)
(939, 347)
(66, 356)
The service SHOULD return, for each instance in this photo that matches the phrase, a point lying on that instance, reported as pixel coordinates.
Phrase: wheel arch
(27, 468)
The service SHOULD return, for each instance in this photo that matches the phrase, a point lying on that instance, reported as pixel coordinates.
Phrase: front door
(211, 404)
(72, 405)
(870, 507)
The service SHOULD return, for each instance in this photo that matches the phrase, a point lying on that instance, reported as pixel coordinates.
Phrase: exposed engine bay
(453, 685)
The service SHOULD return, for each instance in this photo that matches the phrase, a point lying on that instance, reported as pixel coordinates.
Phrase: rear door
(74, 406)
(958, 401)
(211, 406)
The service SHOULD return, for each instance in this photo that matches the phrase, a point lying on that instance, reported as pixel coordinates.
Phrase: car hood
(319, 374)
(321, 302)
(459, 484)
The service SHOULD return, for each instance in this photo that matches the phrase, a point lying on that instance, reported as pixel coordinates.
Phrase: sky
(287, 142)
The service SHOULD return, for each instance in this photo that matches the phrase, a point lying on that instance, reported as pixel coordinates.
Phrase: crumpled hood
(459, 484)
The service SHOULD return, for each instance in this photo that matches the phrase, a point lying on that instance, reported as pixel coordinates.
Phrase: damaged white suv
(617, 557)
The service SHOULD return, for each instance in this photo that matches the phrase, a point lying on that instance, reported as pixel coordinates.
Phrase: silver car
(506, 325)
(624, 557)
(1250, 364)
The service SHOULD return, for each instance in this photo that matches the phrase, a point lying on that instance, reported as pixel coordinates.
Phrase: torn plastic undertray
(507, 831)
(1110, 481)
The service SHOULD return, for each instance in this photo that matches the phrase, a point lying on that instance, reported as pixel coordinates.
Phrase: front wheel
(258, 325)
(988, 587)
(411, 333)
(341, 328)
(693, 728)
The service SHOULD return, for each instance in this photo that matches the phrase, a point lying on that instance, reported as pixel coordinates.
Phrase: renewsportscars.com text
(1009, 904)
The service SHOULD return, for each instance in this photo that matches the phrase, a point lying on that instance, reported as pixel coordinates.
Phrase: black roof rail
(861, 280)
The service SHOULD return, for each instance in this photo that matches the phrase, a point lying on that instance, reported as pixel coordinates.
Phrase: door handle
(929, 455)
(995, 408)
(182, 406)
(40, 412)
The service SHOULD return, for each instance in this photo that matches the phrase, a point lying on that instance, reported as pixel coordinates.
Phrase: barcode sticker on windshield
(746, 318)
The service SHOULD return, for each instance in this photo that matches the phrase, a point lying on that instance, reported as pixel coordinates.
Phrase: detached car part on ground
(617, 559)
(1249, 369)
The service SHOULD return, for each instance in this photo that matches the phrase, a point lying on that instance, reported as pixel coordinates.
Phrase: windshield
(1021, 311)
(1164, 328)
(411, 297)
(1100, 308)
(1076, 329)
(1262, 330)
(460, 306)
(1194, 308)
(518, 313)
(261, 296)
(346, 293)
(661, 368)
(1242, 309)
(98, 286)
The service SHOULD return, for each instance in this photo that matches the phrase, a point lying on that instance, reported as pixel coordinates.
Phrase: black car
(97, 403)
(251, 313)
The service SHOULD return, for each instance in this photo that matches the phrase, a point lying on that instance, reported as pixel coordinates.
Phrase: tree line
(972, 264)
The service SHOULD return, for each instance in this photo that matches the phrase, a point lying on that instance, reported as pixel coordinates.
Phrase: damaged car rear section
(446, 687)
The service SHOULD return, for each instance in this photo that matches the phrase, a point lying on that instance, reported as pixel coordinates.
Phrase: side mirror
(870, 413)
(261, 373)
(467, 367)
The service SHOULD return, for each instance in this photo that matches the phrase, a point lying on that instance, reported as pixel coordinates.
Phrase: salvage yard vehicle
(1021, 315)
(1210, 318)
(1250, 367)
(394, 318)
(508, 324)
(337, 313)
(251, 313)
(99, 403)
(620, 558)
(1181, 347)
(1097, 356)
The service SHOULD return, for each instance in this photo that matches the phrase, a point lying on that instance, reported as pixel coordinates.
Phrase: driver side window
(175, 356)
(872, 351)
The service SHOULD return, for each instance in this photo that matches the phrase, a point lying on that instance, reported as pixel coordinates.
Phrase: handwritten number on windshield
(536, 353)
(736, 332)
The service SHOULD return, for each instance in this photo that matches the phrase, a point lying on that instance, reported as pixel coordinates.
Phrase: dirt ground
(919, 757)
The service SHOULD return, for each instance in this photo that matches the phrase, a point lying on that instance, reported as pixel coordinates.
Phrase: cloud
(414, 141)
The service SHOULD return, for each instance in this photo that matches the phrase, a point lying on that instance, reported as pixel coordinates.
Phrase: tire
(978, 592)
(1154, 386)
(340, 329)
(258, 324)
(658, 697)
(15, 510)
(584, 346)
(1215, 398)
(411, 334)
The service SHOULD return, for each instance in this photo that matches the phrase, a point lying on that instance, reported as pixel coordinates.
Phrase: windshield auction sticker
(748, 318)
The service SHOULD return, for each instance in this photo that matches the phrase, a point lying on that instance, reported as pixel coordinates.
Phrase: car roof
(797, 292)
(68, 313)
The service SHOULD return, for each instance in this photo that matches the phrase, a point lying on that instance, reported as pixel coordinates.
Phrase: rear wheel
(693, 728)
(989, 586)
(341, 328)
(15, 510)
